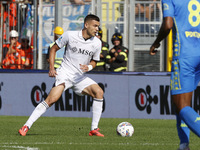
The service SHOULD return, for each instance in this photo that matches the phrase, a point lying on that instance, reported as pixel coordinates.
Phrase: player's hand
(84, 68)
(52, 73)
(153, 49)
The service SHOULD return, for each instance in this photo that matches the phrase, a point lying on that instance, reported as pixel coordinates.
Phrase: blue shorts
(185, 75)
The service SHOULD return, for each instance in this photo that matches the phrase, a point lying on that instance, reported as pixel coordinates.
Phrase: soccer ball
(125, 129)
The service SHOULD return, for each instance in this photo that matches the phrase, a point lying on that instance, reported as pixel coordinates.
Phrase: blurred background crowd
(29, 28)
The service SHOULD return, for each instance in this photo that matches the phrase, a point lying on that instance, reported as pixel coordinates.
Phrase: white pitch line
(20, 147)
(150, 144)
(76, 143)
(37, 143)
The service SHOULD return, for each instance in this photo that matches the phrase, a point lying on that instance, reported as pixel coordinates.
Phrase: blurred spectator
(79, 2)
(154, 14)
(101, 65)
(13, 43)
(153, 11)
(26, 53)
(146, 11)
(118, 55)
(12, 59)
(58, 31)
(139, 9)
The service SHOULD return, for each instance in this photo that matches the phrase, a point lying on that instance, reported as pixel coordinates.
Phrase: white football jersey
(78, 51)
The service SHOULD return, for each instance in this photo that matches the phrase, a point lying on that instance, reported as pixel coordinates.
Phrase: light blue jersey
(186, 29)
(186, 43)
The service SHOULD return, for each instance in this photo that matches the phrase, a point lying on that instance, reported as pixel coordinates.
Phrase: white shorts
(77, 85)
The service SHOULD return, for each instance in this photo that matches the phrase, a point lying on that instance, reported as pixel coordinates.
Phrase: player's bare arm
(52, 71)
(163, 33)
(86, 68)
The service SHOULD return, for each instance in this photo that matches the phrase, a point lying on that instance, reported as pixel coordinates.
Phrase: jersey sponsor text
(192, 34)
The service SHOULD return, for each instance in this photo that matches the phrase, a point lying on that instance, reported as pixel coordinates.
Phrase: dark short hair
(91, 17)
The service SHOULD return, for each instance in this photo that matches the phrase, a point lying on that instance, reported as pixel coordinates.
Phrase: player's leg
(55, 94)
(184, 79)
(42, 107)
(182, 85)
(183, 132)
(96, 92)
(187, 114)
(181, 101)
(90, 87)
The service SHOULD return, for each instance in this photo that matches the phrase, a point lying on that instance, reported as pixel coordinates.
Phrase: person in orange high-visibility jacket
(12, 60)
(14, 44)
(26, 53)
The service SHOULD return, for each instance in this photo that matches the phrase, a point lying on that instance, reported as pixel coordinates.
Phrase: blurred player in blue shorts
(183, 17)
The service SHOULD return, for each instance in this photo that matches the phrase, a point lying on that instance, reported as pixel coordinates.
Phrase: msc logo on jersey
(82, 51)
(85, 52)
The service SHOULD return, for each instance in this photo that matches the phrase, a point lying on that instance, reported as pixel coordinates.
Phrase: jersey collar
(80, 34)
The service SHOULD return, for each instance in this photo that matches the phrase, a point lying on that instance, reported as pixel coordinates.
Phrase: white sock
(38, 111)
(96, 112)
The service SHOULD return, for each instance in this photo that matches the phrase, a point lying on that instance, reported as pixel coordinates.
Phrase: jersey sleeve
(96, 55)
(62, 40)
(168, 8)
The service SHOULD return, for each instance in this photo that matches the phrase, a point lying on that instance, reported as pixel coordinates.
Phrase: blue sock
(191, 118)
(183, 130)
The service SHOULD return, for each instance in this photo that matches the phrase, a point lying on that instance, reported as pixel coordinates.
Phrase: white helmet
(14, 33)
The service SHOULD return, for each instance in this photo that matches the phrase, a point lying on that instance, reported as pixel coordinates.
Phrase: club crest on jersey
(165, 6)
(74, 49)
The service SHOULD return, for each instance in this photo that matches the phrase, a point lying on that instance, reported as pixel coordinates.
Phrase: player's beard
(90, 34)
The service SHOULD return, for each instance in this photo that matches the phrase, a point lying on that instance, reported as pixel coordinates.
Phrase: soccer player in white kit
(82, 52)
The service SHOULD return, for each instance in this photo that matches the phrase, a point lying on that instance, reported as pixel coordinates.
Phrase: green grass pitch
(60, 133)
